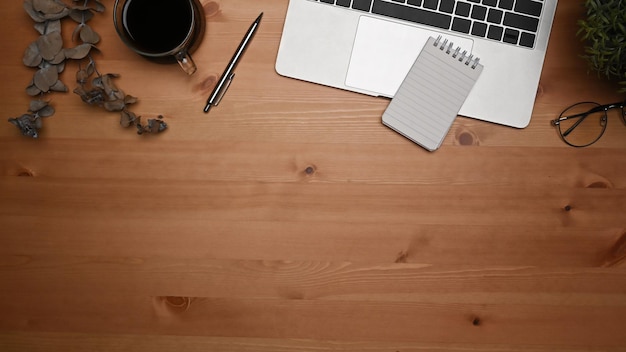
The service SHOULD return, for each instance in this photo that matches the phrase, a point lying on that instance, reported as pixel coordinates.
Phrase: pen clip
(223, 92)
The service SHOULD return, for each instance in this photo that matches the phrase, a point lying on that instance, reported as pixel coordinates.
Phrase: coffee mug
(161, 30)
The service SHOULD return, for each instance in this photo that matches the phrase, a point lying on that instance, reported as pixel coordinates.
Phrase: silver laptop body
(368, 53)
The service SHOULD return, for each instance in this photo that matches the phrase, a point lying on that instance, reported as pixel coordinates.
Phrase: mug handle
(186, 62)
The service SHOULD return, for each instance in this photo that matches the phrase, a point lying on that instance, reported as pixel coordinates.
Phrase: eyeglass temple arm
(583, 116)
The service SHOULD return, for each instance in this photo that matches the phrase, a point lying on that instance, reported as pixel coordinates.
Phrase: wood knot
(170, 307)
(26, 173)
(211, 9)
(207, 84)
(309, 171)
(476, 321)
(593, 180)
(181, 304)
(567, 208)
(402, 257)
(600, 184)
(467, 138)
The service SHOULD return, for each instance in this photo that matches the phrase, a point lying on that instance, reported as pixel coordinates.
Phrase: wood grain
(291, 219)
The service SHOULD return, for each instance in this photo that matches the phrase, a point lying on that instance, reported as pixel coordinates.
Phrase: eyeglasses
(583, 124)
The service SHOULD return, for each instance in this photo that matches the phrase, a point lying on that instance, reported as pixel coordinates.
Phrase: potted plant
(604, 33)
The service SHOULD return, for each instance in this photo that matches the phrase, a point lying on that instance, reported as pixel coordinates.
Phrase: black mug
(161, 30)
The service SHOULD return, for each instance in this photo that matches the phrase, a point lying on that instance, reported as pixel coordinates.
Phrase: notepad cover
(430, 97)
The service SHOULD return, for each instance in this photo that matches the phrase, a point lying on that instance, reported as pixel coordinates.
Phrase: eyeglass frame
(600, 108)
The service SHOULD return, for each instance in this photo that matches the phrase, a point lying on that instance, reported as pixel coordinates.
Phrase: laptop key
(412, 14)
(526, 23)
(446, 6)
(479, 29)
(344, 3)
(495, 16)
(461, 25)
(527, 40)
(415, 2)
(528, 7)
(431, 4)
(510, 36)
(495, 32)
(506, 4)
(463, 9)
(328, 1)
(363, 5)
(479, 12)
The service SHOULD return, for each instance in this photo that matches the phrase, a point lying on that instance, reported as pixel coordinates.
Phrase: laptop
(368, 46)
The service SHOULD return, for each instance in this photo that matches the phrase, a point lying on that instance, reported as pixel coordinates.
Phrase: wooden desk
(290, 219)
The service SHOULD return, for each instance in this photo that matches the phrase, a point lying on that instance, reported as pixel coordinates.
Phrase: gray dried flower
(30, 124)
(153, 126)
(91, 96)
(27, 124)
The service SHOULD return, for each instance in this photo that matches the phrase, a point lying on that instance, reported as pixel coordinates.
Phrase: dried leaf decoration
(78, 52)
(87, 34)
(48, 6)
(45, 10)
(32, 57)
(58, 59)
(58, 86)
(154, 125)
(41, 108)
(50, 45)
(32, 90)
(30, 124)
(46, 78)
(128, 118)
(48, 26)
(48, 55)
(81, 14)
(103, 92)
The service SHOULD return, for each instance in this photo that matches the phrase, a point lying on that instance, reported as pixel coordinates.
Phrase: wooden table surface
(291, 219)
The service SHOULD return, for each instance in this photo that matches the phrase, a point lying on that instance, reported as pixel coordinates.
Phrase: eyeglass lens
(584, 125)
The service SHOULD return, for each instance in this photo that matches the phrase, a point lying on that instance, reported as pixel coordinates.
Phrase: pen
(228, 75)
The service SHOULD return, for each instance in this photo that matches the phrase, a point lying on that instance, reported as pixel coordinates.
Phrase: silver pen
(228, 75)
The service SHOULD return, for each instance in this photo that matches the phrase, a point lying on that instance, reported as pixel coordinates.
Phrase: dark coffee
(157, 26)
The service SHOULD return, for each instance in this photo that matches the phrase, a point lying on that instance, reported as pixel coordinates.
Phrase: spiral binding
(456, 53)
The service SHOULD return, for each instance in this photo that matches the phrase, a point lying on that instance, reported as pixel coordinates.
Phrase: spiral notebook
(430, 97)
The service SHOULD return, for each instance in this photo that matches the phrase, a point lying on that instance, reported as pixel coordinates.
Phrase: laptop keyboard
(514, 22)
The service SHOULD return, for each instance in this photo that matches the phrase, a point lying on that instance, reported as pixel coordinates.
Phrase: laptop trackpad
(384, 51)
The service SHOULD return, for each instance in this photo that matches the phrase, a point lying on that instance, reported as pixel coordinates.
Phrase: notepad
(430, 97)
